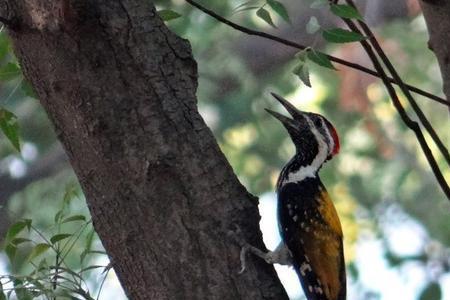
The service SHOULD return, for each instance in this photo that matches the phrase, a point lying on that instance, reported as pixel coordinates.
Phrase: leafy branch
(50, 280)
(296, 45)
(367, 44)
(348, 12)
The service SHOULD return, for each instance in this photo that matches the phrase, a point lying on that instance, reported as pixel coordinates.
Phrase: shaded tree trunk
(120, 88)
(436, 13)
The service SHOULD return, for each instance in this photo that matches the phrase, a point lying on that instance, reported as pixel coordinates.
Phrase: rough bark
(261, 56)
(436, 13)
(119, 88)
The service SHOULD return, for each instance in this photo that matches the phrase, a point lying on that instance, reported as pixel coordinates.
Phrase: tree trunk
(437, 16)
(120, 88)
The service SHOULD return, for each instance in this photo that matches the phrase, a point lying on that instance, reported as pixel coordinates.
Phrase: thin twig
(423, 119)
(302, 47)
(414, 126)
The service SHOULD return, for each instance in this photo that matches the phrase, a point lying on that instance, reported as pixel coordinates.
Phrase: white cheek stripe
(327, 132)
(311, 170)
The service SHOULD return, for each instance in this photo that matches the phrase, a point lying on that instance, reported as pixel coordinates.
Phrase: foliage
(44, 256)
(379, 178)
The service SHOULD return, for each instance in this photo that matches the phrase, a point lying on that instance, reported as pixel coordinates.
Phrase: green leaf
(265, 15)
(168, 15)
(302, 55)
(313, 25)
(4, 45)
(70, 194)
(28, 223)
(42, 266)
(21, 291)
(59, 237)
(339, 35)
(15, 229)
(10, 127)
(28, 89)
(345, 11)
(9, 71)
(18, 241)
(59, 215)
(73, 219)
(301, 70)
(320, 59)
(245, 9)
(38, 250)
(432, 292)
(11, 250)
(280, 9)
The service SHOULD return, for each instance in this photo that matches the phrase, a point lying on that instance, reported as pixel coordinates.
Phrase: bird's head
(314, 137)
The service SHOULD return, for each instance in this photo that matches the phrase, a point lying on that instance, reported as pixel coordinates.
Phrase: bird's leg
(281, 255)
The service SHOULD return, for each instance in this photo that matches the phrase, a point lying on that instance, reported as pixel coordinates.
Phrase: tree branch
(302, 47)
(436, 14)
(414, 126)
(423, 119)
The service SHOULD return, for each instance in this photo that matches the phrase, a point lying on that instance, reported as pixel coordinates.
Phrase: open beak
(295, 113)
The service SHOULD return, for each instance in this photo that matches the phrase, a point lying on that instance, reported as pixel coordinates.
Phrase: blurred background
(395, 218)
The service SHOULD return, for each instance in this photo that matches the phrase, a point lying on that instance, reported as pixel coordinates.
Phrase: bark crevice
(120, 88)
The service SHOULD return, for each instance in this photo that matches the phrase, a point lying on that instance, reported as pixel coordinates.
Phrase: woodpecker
(308, 222)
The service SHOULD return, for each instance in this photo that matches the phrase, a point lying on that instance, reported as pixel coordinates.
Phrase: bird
(311, 232)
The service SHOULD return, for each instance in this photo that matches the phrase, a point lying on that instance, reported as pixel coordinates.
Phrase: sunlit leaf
(345, 11)
(320, 59)
(10, 127)
(301, 70)
(168, 15)
(59, 237)
(74, 218)
(312, 26)
(245, 9)
(280, 9)
(265, 15)
(38, 250)
(9, 71)
(339, 35)
(245, 4)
